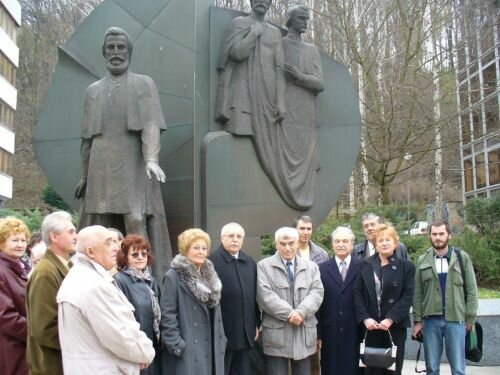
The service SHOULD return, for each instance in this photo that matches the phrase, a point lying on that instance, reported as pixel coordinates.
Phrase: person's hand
(295, 318)
(142, 366)
(468, 326)
(152, 167)
(292, 70)
(319, 344)
(418, 329)
(385, 324)
(280, 113)
(371, 324)
(257, 334)
(256, 29)
(80, 188)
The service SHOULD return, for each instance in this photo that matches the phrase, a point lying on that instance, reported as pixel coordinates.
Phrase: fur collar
(205, 285)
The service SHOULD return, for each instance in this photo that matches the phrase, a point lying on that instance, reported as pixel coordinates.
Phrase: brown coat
(44, 351)
(12, 317)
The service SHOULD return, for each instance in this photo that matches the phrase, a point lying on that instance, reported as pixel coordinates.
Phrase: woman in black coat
(141, 289)
(383, 296)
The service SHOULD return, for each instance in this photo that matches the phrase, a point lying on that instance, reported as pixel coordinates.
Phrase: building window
(477, 123)
(8, 24)
(5, 162)
(490, 79)
(491, 113)
(494, 166)
(469, 186)
(466, 133)
(6, 115)
(7, 69)
(480, 171)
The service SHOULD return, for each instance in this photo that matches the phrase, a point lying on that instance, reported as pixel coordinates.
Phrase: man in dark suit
(365, 249)
(240, 313)
(338, 330)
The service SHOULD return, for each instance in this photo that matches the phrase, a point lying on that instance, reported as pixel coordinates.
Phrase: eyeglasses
(234, 235)
(143, 253)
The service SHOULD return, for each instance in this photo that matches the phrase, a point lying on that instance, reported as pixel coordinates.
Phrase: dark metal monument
(214, 174)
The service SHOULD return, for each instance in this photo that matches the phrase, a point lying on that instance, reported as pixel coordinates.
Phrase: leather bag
(374, 357)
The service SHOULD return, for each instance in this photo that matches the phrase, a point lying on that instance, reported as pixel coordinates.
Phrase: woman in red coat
(14, 236)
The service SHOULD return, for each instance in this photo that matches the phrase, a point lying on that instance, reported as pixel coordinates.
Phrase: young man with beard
(439, 307)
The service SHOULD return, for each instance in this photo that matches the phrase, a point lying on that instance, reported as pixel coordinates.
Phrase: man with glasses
(240, 313)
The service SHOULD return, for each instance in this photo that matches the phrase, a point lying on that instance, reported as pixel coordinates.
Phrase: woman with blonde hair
(191, 323)
(14, 237)
(383, 296)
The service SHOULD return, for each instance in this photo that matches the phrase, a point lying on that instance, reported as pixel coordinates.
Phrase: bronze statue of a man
(122, 121)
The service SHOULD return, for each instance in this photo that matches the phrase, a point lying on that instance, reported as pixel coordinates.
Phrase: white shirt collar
(347, 260)
(285, 261)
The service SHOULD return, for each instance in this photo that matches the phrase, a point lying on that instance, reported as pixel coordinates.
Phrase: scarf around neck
(204, 284)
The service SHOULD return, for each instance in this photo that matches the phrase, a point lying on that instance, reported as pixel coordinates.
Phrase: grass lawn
(488, 293)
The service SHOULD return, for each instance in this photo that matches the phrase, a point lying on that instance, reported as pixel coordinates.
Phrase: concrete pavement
(409, 369)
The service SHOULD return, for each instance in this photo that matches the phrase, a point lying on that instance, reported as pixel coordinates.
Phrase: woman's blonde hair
(387, 228)
(189, 236)
(10, 226)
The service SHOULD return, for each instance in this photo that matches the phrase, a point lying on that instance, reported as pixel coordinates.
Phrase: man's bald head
(96, 242)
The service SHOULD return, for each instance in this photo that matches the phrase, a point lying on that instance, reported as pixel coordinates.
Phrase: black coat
(398, 286)
(361, 250)
(338, 327)
(138, 295)
(240, 312)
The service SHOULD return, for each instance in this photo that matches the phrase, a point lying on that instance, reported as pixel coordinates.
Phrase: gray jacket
(187, 325)
(278, 299)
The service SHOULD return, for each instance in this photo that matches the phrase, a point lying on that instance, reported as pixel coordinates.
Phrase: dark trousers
(279, 366)
(237, 362)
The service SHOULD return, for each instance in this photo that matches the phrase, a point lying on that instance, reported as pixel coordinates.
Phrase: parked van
(418, 228)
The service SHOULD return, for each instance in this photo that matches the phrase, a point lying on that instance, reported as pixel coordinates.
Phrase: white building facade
(10, 21)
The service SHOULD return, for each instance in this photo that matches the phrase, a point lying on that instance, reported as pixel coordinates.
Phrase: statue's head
(117, 50)
(260, 6)
(298, 18)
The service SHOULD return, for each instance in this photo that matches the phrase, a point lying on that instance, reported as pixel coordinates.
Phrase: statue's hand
(152, 167)
(280, 113)
(292, 70)
(80, 188)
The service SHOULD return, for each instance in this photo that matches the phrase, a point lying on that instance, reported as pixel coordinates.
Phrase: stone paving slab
(409, 369)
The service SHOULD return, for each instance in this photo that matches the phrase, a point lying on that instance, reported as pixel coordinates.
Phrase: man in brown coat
(44, 351)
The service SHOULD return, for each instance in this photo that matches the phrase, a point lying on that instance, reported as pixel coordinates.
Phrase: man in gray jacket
(289, 292)
(308, 248)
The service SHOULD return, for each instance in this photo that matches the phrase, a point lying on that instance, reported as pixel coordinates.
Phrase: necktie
(343, 269)
(289, 270)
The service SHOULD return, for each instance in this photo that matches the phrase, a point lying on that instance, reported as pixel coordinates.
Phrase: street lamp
(407, 158)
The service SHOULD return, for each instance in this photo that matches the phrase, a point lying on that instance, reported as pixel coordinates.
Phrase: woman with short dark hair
(141, 289)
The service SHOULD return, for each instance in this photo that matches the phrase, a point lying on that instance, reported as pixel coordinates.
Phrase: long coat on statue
(337, 323)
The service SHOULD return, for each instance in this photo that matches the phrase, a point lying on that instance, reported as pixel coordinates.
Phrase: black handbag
(474, 343)
(378, 357)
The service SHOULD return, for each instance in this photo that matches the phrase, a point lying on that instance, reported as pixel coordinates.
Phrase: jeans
(435, 329)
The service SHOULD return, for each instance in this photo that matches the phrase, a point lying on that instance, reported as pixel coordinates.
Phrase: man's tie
(343, 269)
(289, 270)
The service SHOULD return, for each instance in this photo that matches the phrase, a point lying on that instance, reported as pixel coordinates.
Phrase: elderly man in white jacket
(289, 292)
(97, 328)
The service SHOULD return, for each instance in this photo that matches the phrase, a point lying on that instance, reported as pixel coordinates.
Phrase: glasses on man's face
(234, 235)
(144, 254)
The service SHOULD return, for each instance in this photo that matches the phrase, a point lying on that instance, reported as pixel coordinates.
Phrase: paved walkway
(409, 369)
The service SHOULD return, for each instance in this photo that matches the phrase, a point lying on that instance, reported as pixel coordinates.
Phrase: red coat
(13, 328)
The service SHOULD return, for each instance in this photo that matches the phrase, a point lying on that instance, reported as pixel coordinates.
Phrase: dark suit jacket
(337, 323)
(398, 286)
(240, 312)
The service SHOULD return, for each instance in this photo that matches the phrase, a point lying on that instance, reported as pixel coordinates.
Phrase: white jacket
(97, 328)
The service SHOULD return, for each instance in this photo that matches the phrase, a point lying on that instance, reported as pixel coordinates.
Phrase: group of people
(91, 305)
